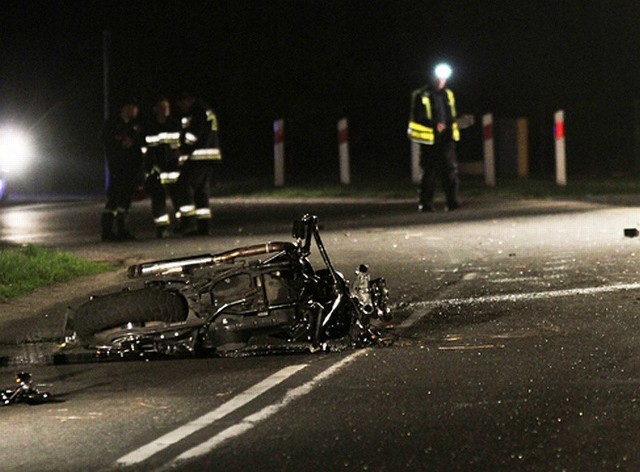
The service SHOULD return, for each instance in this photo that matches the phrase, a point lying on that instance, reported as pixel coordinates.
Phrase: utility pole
(106, 43)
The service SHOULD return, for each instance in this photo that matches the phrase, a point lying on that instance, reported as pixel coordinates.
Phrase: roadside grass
(25, 268)
(264, 189)
(578, 188)
(470, 186)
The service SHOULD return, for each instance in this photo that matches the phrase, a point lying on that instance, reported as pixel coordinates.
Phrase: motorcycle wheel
(135, 306)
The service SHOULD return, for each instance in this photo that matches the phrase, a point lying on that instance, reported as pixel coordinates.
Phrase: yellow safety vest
(423, 133)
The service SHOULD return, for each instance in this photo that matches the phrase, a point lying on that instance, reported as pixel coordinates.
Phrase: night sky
(312, 62)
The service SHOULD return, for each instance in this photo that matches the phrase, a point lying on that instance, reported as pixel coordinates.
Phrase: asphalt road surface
(517, 349)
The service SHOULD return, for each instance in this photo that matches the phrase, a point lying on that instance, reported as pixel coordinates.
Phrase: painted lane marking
(412, 319)
(468, 347)
(534, 279)
(515, 297)
(252, 420)
(207, 419)
(418, 307)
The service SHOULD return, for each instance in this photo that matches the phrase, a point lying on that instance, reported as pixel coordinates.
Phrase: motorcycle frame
(305, 233)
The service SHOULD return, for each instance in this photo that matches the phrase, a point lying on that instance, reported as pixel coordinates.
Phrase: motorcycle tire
(135, 306)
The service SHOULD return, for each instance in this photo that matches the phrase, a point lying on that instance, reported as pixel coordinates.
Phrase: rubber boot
(162, 231)
(188, 226)
(107, 226)
(203, 227)
(123, 234)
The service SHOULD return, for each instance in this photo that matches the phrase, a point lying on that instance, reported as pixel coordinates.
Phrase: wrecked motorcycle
(25, 392)
(227, 302)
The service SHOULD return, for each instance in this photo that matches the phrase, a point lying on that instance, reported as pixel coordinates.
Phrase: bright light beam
(16, 150)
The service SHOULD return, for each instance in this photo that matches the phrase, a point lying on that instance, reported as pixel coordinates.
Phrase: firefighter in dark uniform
(123, 148)
(199, 146)
(161, 163)
(433, 125)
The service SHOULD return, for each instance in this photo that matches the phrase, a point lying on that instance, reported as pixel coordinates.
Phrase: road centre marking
(513, 297)
(252, 420)
(469, 347)
(207, 419)
(413, 318)
(510, 280)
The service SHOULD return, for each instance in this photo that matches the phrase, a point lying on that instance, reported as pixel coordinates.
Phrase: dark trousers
(194, 183)
(158, 193)
(122, 186)
(439, 162)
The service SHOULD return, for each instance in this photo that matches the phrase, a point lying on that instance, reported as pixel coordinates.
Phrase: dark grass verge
(470, 186)
(25, 268)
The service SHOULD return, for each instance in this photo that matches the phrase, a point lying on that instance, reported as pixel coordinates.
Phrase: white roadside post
(522, 145)
(416, 170)
(489, 150)
(561, 158)
(343, 148)
(278, 153)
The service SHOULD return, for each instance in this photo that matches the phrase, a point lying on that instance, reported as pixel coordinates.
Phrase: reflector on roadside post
(561, 159)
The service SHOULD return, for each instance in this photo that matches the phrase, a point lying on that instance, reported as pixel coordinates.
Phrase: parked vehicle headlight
(16, 150)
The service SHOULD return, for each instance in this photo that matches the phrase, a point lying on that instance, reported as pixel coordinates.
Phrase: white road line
(534, 279)
(236, 402)
(252, 420)
(413, 318)
(513, 297)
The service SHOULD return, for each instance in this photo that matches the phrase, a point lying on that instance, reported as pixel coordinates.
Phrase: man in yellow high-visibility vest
(433, 125)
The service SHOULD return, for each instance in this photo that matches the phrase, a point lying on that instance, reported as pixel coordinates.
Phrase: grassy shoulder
(470, 186)
(25, 268)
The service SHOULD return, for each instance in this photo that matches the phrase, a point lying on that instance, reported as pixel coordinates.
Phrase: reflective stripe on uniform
(163, 220)
(169, 177)
(152, 140)
(203, 213)
(190, 138)
(187, 211)
(206, 154)
(172, 138)
(168, 137)
(426, 101)
(455, 130)
(211, 116)
(452, 103)
(420, 133)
